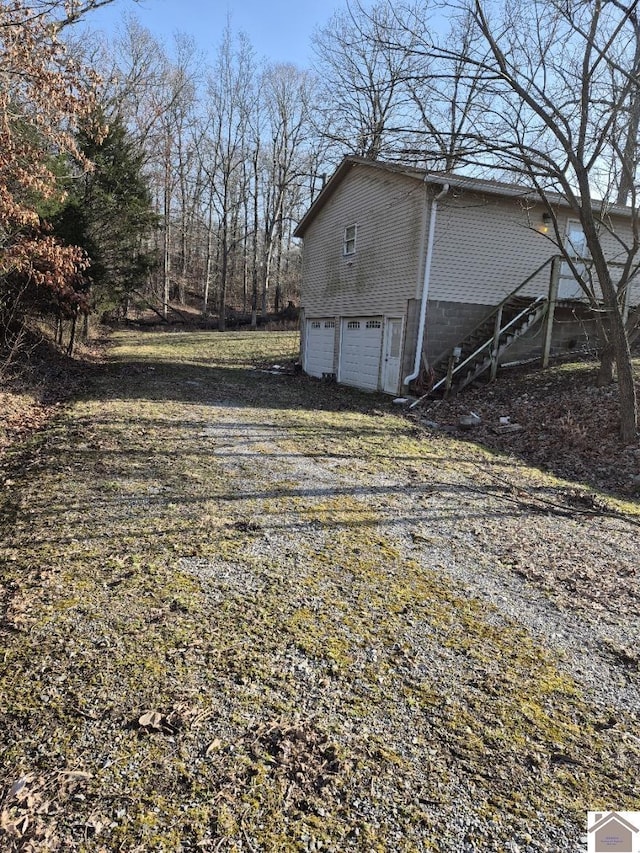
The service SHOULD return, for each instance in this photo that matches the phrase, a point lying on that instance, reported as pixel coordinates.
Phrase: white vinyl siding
(383, 273)
(360, 352)
(485, 246)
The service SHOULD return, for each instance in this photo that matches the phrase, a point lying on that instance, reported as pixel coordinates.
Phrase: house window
(329, 324)
(315, 324)
(374, 324)
(353, 324)
(575, 241)
(349, 246)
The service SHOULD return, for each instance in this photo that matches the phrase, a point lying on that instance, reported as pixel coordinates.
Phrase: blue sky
(279, 30)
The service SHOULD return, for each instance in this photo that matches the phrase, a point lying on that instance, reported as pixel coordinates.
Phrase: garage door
(360, 351)
(319, 347)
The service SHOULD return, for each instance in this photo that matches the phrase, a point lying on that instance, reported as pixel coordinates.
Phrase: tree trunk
(618, 350)
(166, 257)
(72, 335)
(222, 320)
(266, 283)
(606, 354)
(184, 253)
(254, 248)
(222, 292)
(626, 381)
(605, 371)
(619, 340)
(232, 264)
(630, 152)
(245, 256)
(207, 262)
(207, 276)
(277, 298)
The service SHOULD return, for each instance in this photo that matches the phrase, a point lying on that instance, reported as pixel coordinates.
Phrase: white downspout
(425, 286)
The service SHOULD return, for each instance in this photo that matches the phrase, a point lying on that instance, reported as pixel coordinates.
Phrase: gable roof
(435, 179)
(607, 818)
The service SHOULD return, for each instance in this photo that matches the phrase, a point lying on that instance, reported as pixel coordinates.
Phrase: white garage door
(319, 347)
(360, 351)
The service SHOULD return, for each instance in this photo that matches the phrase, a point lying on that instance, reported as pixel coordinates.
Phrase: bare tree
(232, 164)
(174, 104)
(559, 86)
(449, 96)
(231, 92)
(155, 96)
(360, 73)
(180, 126)
(287, 93)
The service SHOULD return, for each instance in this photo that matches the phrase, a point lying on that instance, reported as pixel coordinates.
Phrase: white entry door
(575, 244)
(392, 353)
(360, 351)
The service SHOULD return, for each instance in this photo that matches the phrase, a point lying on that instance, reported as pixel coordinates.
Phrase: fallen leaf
(214, 746)
(76, 775)
(151, 720)
(17, 786)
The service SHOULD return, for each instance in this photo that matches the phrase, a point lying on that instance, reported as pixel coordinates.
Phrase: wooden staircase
(481, 349)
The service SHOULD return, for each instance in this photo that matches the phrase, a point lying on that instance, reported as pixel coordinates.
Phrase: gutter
(425, 286)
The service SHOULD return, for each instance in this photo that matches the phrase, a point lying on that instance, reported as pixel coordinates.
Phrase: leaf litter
(294, 621)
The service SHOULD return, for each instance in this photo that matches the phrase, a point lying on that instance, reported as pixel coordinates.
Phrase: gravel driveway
(355, 635)
(461, 530)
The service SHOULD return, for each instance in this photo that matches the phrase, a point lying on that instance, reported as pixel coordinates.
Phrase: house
(612, 833)
(415, 279)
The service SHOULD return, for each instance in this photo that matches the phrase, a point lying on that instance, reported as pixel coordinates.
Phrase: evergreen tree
(109, 214)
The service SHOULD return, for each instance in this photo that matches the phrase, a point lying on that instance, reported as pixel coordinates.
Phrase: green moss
(129, 483)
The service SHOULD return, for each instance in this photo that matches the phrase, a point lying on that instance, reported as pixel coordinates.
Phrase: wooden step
(480, 341)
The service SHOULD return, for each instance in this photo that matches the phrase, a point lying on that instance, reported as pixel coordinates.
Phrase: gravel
(435, 522)
(357, 634)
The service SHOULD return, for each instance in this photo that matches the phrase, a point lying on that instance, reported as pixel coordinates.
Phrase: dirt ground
(243, 610)
(557, 420)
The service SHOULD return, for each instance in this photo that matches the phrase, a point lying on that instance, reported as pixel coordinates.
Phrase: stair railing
(500, 305)
(452, 369)
(493, 342)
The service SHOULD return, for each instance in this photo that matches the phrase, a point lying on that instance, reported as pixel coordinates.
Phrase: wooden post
(551, 310)
(496, 344)
(449, 379)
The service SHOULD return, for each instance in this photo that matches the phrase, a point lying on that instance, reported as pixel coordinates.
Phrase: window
(349, 246)
(329, 324)
(315, 324)
(374, 324)
(353, 324)
(575, 242)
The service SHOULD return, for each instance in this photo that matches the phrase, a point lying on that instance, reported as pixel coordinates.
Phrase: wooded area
(135, 172)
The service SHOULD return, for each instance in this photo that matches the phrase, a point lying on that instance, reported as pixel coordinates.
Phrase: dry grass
(213, 639)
